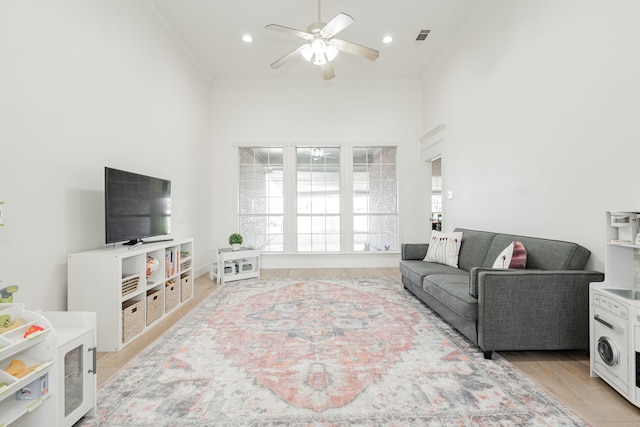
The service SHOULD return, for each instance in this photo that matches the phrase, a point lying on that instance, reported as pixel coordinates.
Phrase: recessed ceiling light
(247, 38)
(387, 39)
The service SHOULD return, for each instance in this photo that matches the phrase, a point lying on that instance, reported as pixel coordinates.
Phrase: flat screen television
(136, 206)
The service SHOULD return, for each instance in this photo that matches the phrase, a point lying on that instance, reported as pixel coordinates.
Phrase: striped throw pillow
(513, 256)
(444, 248)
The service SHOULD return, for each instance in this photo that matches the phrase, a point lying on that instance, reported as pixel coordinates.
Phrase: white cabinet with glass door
(76, 371)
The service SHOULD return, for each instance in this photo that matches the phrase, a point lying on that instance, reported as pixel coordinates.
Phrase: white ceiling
(213, 30)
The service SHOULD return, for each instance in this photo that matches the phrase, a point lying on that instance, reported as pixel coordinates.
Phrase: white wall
(315, 112)
(87, 84)
(541, 102)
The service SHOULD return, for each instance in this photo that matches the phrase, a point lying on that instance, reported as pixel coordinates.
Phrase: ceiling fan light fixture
(307, 52)
(320, 59)
(332, 51)
(318, 46)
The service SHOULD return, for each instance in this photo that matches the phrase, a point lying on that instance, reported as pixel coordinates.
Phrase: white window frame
(346, 194)
(260, 215)
(300, 214)
(369, 214)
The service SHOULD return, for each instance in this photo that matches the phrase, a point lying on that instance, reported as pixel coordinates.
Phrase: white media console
(130, 288)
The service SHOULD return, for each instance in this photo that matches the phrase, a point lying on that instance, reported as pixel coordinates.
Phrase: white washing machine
(611, 342)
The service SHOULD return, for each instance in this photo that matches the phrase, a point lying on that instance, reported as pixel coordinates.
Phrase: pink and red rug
(320, 352)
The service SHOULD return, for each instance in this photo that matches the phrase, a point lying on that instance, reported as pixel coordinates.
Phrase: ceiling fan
(321, 47)
(316, 153)
(320, 153)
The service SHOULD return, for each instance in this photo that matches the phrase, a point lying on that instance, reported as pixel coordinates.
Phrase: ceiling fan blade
(290, 31)
(337, 24)
(357, 49)
(327, 71)
(280, 62)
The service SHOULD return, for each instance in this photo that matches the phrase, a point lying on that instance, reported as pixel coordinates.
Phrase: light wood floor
(565, 374)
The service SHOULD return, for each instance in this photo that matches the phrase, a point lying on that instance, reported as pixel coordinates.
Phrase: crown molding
(162, 20)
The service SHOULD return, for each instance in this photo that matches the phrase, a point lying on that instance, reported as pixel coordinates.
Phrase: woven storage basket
(185, 287)
(129, 284)
(170, 295)
(132, 318)
(185, 264)
(155, 301)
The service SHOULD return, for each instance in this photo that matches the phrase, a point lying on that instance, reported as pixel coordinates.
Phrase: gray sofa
(542, 307)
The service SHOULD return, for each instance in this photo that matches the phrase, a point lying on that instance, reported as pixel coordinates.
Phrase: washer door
(608, 351)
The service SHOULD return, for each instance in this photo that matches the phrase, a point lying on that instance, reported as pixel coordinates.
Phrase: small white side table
(237, 265)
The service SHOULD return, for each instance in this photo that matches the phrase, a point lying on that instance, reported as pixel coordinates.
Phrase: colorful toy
(6, 294)
(33, 329)
(18, 369)
(5, 321)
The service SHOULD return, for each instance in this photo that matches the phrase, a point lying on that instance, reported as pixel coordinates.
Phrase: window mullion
(346, 198)
(290, 184)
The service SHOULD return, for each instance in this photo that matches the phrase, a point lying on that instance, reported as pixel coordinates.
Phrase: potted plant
(235, 240)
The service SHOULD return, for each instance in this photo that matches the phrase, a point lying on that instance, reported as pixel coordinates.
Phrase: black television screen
(136, 206)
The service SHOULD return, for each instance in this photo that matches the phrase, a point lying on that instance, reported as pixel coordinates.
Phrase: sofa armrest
(534, 309)
(413, 251)
(473, 279)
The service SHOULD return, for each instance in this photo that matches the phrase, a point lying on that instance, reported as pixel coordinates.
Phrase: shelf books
(171, 262)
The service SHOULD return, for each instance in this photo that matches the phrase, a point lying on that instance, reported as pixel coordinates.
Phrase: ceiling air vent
(422, 35)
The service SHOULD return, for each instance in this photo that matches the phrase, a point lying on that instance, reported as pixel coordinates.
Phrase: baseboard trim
(338, 260)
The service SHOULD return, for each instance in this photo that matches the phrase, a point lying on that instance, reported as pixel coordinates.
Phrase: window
(318, 199)
(375, 200)
(291, 199)
(261, 197)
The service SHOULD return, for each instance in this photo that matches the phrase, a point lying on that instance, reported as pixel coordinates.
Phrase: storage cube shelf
(130, 288)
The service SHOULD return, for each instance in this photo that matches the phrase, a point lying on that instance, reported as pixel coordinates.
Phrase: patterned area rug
(320, 352)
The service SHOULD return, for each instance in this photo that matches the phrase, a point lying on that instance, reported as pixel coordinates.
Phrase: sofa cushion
(475, 245)
(452, 291)
(444, 248)
(542, 254)
(513, 256)
(416, 270)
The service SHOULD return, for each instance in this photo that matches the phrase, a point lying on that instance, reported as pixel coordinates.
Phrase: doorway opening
(436, 194)
(432, 146)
